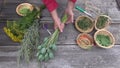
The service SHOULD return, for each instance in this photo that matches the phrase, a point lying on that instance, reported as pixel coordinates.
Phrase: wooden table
(68, 55)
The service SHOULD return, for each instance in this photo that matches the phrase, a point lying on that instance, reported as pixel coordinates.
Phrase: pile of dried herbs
(46, 49)
(16, 29)
(30, 42)
(85, 23)
(104, 40)
(101, 22)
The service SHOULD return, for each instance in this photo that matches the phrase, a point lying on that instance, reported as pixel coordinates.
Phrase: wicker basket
(107, 23)
(81, 30)
(104, 32)
(88, 38)
(27, 5)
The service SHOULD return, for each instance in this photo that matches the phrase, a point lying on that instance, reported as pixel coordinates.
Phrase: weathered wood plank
(74, 57)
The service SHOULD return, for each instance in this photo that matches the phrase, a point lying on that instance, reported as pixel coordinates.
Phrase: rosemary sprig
(46, 49)
(30, 42)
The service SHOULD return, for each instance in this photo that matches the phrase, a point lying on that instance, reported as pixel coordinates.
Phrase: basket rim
(113, 42)
(91, 39)
(84, 31)
(18, 7)
(109, 21)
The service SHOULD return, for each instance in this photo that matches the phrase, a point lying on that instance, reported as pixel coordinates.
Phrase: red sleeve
(50, 4)
(73, 1)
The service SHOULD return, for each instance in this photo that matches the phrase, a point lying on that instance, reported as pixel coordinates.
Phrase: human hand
(59, 25)
(69, 12)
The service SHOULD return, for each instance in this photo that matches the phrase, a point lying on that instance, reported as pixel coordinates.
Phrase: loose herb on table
(46, 49)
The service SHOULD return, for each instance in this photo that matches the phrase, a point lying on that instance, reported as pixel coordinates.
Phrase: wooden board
(67, 57)
(118, 3)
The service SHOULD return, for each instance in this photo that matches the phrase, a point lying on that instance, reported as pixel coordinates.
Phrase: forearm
(70, 4)
(54, 15)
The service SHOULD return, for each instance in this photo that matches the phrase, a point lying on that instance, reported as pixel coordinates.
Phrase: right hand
(58, 24)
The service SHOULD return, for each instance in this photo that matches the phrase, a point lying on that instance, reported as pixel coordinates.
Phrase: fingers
(55, 26)
(62, 26)
(59, 26)
(68, 20)
(72, 18)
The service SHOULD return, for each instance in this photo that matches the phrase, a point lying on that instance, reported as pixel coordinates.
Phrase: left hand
(69, 12)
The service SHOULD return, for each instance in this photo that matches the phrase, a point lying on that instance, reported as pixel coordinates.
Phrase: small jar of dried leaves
(102, 22)
(84, 24)
(104, 39)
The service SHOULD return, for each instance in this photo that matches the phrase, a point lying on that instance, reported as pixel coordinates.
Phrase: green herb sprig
(46, 49)
(30, 42)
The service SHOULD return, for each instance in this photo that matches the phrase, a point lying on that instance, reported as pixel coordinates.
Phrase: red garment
(52, 4)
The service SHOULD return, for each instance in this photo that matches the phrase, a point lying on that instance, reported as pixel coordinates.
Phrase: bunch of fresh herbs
(46, 49)
(30, 42)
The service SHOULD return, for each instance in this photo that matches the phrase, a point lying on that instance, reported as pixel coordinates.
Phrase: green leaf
(39, 47)
(40, 57)
(48, 50)
(46, 57)
(37, 54)
(51, 55)
(43, 50)
(54, 47)
(45, 39)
